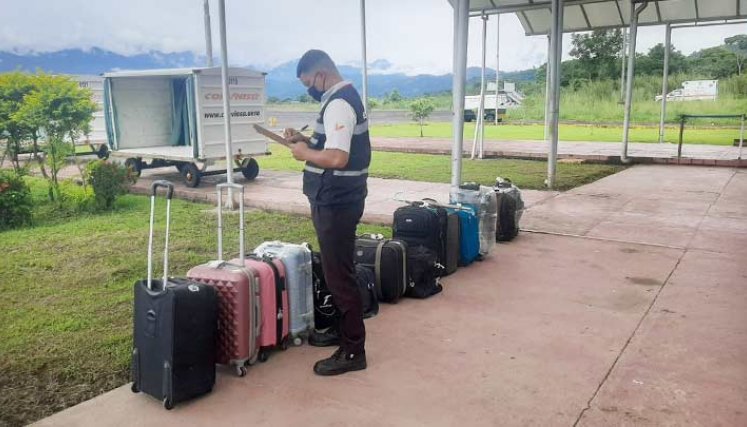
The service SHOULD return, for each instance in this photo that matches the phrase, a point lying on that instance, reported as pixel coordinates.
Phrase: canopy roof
(587, 15)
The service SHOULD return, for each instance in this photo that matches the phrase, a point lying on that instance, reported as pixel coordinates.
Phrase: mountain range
(281, 79)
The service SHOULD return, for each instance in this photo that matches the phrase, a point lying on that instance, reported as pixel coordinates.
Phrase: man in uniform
(337, 156)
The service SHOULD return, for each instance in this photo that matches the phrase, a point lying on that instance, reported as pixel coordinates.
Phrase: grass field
(508, 132)
(66, 311)
(527, 174)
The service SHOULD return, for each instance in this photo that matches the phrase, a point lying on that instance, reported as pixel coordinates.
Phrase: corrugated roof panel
(649, 15)
(481, 4)
(511, 2)
(715, 9)
(625, 10)
(603, 14)
(677, 10)
(535, 14)
(573, 19)
(540, 19)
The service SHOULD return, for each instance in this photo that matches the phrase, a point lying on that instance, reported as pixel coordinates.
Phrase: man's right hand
(293, 135)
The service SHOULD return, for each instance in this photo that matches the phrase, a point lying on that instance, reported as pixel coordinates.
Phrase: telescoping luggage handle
(169, 193)
(220, 188)
(427, 202)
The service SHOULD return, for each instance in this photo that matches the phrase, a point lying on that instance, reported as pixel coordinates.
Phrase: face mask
(315, 93)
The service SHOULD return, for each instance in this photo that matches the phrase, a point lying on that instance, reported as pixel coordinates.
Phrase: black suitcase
(510, 209)
(174, 332)
(325, 311)
(388, 259)
(423, 273)
(453, 240)
(422, 224)
(365, 278)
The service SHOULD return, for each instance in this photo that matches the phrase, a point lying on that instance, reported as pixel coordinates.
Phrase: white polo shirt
(339, 120)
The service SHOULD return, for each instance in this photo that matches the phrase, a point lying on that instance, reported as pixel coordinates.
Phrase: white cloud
(414, 35)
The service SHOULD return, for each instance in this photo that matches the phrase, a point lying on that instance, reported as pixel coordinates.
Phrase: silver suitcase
(485, 203)
(298, 276)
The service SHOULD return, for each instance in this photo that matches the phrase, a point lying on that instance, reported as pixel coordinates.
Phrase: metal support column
(635, 12)
(226, 100)
(623, 55)
(665, 82)
(208, 35)
(480, 124)
(548, 78)
(497, 62)
(363, 50)
(556, 53)
(461, 33)
(741, 137)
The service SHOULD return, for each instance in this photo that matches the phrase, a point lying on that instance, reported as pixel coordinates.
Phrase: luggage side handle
(169, 193)
(220, 188)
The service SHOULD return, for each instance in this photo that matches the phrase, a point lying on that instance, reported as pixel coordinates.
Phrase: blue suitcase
(469, 235)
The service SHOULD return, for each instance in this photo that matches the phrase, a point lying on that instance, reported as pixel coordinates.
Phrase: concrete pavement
(604, 152)
(626, 307)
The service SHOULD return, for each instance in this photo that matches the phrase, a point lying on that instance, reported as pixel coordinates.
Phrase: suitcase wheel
(135, 388)
(167, 403)
(263, 356)
(241, 371)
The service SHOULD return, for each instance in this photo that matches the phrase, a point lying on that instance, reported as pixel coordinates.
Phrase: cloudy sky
(414, 35)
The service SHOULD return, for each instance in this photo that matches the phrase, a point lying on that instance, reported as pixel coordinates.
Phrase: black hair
(313, 60)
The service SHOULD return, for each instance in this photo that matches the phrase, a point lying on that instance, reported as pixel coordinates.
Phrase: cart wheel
(134, 165)
(179, 166)
(103, 152)
(250, 169)
(191, 175)
(168, 404)
(297, 341)
(241, 371)
(135, 388)
(263, 356)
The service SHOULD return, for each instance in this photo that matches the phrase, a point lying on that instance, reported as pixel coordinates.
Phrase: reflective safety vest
(328, 187)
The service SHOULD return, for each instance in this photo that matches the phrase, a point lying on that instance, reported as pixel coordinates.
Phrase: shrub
(75, 198)
(15, 201)
(108, 180)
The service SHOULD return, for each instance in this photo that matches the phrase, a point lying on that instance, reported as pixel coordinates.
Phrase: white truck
(174, 117)
(506, 98)
(96, 138)
(694, 90)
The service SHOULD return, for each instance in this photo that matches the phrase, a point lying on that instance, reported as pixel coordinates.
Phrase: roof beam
(529, 23)
(534, 5)
(620, 12)
(586, 17)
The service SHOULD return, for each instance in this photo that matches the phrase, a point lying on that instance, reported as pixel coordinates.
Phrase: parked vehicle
(694, 90)
(174, 117)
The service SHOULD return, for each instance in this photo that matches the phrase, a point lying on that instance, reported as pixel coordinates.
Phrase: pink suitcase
(238, 298)
(273, 302)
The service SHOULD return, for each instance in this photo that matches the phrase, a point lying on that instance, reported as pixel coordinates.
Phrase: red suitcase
(273, 297)
(238, 298)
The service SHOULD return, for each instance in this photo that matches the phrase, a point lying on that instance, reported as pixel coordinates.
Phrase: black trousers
(335, 228)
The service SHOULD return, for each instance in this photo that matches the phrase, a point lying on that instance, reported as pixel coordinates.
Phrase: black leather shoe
(340, 362)
(324, 339)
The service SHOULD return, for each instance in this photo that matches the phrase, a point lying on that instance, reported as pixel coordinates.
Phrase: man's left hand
(300, 150)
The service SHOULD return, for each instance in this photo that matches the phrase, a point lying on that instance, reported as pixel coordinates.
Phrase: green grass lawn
(527, 174)
(66, 311)
(508, 132)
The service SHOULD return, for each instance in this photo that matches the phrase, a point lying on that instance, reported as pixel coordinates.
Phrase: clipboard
(272, 135)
